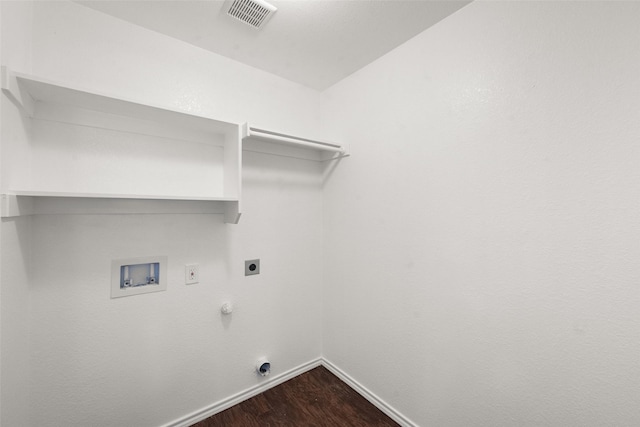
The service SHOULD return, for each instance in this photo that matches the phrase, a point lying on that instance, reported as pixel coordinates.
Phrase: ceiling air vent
(252, 12)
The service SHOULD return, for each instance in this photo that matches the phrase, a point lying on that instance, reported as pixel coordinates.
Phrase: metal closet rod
(296, 140)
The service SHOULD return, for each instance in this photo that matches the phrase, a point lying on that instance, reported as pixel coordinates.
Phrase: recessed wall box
(135, 276)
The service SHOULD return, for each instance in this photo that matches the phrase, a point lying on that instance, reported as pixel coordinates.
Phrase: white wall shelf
(80, 144)
(120, 196)
(309, 149)
(75, 150)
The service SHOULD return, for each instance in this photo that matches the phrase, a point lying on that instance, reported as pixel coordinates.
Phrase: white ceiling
(312, 42)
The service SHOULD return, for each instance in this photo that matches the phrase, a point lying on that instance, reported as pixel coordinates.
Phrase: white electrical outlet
(191, 274)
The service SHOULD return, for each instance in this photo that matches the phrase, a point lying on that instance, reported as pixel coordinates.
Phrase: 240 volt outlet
(251, 267)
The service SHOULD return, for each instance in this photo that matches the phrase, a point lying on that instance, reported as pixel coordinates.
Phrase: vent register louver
(252, 12)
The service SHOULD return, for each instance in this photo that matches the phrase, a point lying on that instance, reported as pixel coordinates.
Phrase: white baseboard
(371, 397)
(223, 404)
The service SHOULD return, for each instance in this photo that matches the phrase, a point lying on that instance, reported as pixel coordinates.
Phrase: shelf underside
(23, 193)
(58, 203)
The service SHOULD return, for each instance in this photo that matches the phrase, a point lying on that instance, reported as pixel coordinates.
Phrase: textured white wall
(482, 241)
(15, 235)
(149, 359)
(146, 360)
(15, 246)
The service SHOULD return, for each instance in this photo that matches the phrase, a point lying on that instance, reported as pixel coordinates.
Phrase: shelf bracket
(12, 205)
(15, 92)
(232, 212)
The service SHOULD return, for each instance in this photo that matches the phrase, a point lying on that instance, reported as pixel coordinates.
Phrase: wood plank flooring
(315, 398)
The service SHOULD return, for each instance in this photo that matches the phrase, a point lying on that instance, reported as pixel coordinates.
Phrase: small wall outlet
(251, 267)
(191, 274)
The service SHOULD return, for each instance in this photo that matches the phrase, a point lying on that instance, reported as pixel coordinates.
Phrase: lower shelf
(51, 203)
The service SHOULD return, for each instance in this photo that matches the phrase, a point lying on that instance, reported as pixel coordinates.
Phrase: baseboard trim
(367, 394)
(223, 404)
(230, 401)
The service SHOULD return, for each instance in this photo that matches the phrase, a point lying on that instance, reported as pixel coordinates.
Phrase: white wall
(15, 235)
(481, 262)
(149, 359)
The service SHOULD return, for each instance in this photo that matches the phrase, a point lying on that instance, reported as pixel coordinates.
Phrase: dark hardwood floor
(315, 398)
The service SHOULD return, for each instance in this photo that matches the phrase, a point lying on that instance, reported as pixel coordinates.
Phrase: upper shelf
(26, 90)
